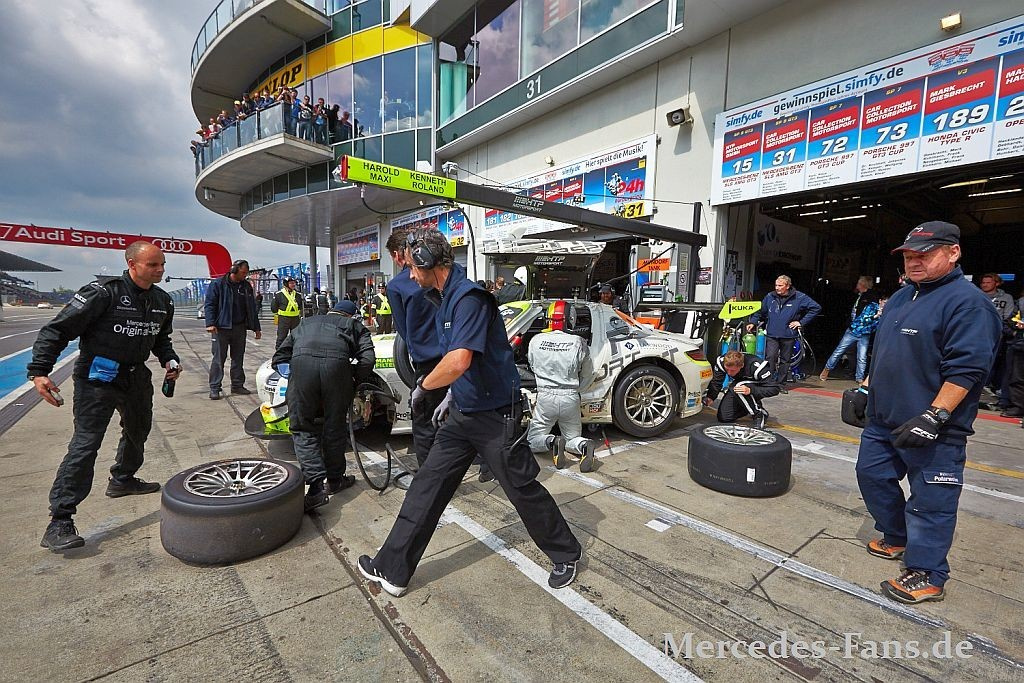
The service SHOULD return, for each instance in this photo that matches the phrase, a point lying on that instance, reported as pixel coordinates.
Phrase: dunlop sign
(739, 309)
(356, 170)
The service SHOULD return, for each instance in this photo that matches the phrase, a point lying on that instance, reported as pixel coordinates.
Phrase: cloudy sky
(95, 122)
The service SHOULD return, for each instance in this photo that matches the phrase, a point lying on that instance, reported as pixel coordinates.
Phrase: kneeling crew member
(751, 382)
(560, 359)
(484, 411)
(120, 321)
(320, 353)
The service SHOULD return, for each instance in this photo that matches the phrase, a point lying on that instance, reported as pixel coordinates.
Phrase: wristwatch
(941, 414)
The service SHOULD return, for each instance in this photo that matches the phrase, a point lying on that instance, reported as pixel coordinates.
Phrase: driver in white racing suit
(560, 359)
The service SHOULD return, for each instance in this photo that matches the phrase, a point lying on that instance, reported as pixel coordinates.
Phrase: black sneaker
(216, 395)
(587, 459)
(760, 418)
(241, 391)
(132, 486)
(485, 476)
(556, 444)
(316, 496)
(370, 573)
(61, 534)
(562, 574)
(340, 484)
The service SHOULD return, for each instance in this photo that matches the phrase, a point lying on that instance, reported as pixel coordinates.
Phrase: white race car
(643, 377)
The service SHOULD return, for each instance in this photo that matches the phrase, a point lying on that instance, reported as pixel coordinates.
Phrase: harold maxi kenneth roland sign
(358, 170)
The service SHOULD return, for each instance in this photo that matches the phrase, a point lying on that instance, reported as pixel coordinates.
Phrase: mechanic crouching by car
(319, 355)
(560, 360)
(750, 382)
(484, 409)
(120, 321)
(935, 343)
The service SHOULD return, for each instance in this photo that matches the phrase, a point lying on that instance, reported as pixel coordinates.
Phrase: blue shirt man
(481, 414)
(934, 345)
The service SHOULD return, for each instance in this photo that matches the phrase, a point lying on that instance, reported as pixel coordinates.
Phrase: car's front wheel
(645, 401)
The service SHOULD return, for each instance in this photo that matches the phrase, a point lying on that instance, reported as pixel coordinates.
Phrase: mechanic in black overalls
(120, 321)
(750, 382)
(319, 353)
(484, 406)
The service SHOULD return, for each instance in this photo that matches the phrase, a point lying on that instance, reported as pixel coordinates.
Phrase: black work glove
(918, 432)
(417, 398)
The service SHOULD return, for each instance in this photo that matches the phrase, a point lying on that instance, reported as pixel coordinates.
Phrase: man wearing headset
(230, 313)
(480, 414)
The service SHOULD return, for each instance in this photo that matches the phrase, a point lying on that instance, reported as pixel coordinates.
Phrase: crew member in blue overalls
(784, 311)
(413, 318)
(935, 343)
(484, 409)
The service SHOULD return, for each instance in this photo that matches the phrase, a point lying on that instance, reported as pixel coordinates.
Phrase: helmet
(556, 316)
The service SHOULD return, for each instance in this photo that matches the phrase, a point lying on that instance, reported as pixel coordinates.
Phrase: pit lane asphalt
(663, 556)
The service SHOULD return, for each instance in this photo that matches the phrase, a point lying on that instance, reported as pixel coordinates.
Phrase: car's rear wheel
(645, 401)
(230, 510)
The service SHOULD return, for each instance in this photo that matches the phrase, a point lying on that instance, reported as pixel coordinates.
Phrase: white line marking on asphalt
(18, 391)
(657, 525)
(771, 556)
(8, 336)
(12, 355)
(819, 449)
(654, 659)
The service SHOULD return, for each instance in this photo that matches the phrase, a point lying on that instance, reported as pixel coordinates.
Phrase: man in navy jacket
(934, 346)
(230, 312)
(786, 310)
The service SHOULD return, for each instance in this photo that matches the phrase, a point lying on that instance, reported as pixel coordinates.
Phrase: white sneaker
(370, 573)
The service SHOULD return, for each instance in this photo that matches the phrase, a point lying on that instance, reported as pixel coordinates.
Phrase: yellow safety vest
(384, 307)
(292, 309)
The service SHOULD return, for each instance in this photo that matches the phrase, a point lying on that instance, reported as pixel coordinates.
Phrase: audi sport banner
(614, 181)
(957, 102)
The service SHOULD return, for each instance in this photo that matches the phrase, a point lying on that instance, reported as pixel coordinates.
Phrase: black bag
(854, 409)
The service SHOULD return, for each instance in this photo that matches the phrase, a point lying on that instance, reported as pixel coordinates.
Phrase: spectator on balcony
(305, 119)
(296, 107)
(333, 129)
(284, 98)
(344, 126)
(239, 114)
(249, 104)
(212, 129)
(224, 119)
(320, 122)
(266, 99)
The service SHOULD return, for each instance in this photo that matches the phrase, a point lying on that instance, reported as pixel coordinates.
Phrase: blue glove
(283, 369)
(417, 398)
(918, 432)
(441, 412)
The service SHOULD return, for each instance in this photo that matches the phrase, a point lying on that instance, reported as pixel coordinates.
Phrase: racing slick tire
(645, 400)
(403, 362)
(231, 510)
(740, 460)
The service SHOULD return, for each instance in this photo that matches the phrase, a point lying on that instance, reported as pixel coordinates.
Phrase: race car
(643, 377)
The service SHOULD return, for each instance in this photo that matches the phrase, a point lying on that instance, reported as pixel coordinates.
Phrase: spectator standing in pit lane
(230, 314)
(287, 309)
(751, 382)
(786, 310)
(120, 322)
(481, 413)
(1015, 360)
(863, 320)
(560, 360)
(933, 350)
(998, 380)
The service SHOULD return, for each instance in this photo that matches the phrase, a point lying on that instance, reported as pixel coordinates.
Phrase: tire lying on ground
(740, 460)
(230, 510)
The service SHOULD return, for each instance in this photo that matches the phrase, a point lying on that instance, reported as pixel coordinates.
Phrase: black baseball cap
(927, 236)
(289, 279)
